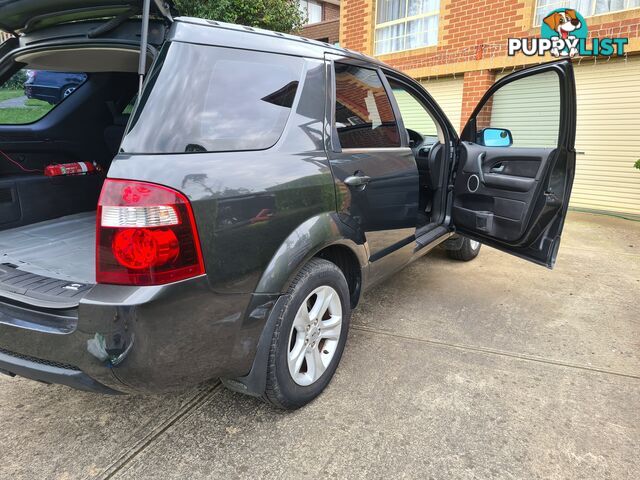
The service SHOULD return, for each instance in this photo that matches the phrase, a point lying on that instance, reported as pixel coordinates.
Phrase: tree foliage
(16, 82)
(279, 15)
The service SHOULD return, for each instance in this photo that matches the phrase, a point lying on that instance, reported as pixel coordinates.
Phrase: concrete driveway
(489, 369)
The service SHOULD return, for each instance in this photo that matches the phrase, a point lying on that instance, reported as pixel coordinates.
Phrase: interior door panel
(495, 186)
(515, 198)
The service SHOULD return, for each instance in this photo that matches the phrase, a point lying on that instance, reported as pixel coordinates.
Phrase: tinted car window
(208, 99)
(415, 114)
(29, 95)
(364, 117)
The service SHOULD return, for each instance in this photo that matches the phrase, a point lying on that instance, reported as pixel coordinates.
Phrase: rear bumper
(43, 371)
(46, 94)
(138, 340)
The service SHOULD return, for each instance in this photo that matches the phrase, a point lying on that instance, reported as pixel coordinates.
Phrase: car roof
(211, 32)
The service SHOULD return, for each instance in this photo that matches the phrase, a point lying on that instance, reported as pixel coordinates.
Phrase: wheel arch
(323, 236)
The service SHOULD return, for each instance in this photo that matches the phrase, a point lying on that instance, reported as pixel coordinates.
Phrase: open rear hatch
(26, 16)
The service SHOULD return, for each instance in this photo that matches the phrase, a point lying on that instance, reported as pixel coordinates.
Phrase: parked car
(51, 87)
(264, 181)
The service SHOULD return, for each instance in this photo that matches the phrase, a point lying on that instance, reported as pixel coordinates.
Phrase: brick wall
(476, 83)
(473, 30)
(330, 11)
(328, 29)
(356, 22)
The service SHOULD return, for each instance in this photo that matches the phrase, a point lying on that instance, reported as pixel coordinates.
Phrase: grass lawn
(34, 109)
(8, 94)
(19, 116)
(37, 103)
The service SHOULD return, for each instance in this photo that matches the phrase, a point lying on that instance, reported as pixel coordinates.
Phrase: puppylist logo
(564, 33)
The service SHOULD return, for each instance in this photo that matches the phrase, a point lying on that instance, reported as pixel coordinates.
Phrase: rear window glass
(212, 99)
(29, 95)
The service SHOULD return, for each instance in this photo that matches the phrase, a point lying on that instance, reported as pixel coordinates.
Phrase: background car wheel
(469, 250)
(66, 91)
(309, 337)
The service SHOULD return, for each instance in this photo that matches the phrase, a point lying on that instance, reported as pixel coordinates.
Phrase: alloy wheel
(314, 335)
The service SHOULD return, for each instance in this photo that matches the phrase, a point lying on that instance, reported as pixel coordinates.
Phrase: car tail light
(146, 235)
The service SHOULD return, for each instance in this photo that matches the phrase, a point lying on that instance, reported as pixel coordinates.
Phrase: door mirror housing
(495, 137)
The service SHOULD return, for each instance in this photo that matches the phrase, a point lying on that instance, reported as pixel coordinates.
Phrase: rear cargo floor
(63, 248)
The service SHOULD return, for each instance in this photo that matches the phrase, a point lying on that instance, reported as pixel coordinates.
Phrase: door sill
(429, 234)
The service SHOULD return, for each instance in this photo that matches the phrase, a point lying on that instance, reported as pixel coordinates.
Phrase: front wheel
(468, 251)
(309, 337)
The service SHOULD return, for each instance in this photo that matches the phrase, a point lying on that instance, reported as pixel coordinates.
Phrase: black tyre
(469, 250)
(309, 336)
(66, 91)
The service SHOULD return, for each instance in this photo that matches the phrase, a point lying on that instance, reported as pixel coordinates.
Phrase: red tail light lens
(146, 235)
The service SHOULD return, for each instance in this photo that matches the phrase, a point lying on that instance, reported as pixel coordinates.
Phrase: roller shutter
(447, 92)
(608, 132)
(609, 135)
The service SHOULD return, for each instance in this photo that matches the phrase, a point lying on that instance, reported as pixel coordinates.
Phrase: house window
(406, 24)
(311, 10)
(587, 8)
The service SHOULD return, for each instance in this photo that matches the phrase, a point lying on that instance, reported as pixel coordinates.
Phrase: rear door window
(211, 99)
(364, 117)
(30, 94)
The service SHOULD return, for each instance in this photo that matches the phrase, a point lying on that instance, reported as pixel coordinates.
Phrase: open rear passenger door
(516, 163)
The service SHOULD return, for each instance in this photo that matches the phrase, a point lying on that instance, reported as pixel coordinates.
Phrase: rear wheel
(468, 251)
(309, 337)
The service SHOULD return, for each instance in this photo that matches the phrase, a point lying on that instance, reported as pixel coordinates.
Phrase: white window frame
(304, 8)
(398, 21)
(591, 13)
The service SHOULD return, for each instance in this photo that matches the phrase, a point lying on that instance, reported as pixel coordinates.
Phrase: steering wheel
(415, 138)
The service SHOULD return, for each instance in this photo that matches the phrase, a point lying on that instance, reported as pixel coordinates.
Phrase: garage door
(608, 132)
(609, 135)
(447, 92)
(533, 121)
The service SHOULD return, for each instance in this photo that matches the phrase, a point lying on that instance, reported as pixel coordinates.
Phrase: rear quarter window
(211, 99)
(30, 95)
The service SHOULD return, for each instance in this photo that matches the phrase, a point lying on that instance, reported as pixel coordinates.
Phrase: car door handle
(497, 168)
(357, 180)
(480, 159)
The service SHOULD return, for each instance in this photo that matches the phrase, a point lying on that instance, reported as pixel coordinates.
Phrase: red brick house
(458, 48)
(323, 20)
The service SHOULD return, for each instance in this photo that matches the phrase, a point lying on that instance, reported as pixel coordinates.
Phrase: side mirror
(495, 137)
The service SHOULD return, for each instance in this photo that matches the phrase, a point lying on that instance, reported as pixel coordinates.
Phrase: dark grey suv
(227, 224)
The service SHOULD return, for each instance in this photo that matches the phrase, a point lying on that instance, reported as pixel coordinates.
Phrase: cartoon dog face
(563, 22)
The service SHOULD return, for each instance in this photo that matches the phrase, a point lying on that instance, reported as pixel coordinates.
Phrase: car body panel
(303, 243)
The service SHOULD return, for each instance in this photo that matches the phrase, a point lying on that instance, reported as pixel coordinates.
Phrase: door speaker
(473, 183)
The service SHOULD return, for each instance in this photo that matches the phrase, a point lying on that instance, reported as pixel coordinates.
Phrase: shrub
(17, 81)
